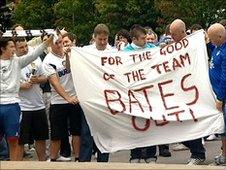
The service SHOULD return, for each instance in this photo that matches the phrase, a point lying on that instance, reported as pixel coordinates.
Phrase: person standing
(100, 43)
(178, 32)
(217, 73)
(10, 70)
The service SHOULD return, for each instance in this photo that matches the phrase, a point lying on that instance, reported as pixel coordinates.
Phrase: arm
(54, 80)
(25, 86)
(26, 59)
(38, 79)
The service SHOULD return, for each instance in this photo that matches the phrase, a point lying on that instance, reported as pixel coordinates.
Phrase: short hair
(196, 27)
(16, 25)
(4, 42)
(70, 35)
(125, 33)
(101, 29)
(19, 39)
(137, 30)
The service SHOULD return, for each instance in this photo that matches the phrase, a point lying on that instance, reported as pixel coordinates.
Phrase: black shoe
(164, 153)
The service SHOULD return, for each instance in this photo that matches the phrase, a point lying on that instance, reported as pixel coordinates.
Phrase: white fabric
(56, 65)
(31, 99)
(10, 71)
(177, 81)
(26, 33)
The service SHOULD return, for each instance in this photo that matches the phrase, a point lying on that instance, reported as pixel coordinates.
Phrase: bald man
(217, 73)
(178, 32)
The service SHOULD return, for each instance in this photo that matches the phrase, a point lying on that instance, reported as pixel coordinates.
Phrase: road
(178, 157)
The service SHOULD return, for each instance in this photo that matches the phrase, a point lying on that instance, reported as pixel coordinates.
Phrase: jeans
(4, 152)
(87, 144)
(196, 148)
(143, 153)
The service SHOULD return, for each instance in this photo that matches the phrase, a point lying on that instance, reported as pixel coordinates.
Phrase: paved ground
(178, 157)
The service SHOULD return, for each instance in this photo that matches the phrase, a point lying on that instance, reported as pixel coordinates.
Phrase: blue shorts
(9, 120)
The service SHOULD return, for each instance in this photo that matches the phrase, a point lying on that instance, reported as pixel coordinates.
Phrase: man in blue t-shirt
(138, 35)
(217, 73)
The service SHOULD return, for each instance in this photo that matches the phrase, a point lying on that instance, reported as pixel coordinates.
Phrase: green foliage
(36, 14)
(81, 16)
(77, 16)
(203, 12)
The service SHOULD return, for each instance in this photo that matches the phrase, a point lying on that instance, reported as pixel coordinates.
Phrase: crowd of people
(39, 102)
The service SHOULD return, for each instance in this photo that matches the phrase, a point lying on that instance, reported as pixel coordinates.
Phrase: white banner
(146, 97)
(27, 33)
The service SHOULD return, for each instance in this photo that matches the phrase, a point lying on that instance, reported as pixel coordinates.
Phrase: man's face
(101, 41)
(9, 50)
(177, 35)
(215, 39)
(150, 38)
(67, 42)
(140, 41)
(57, 48)
(21, 48)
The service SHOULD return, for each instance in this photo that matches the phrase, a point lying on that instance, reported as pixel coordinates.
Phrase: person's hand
(219, 105)
(34, 79)
(26, 85)
(72, 100)
(49, 41)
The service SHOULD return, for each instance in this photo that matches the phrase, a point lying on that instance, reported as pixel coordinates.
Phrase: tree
(36, 14)
(124, 14)
(203, 12)
(77, 16)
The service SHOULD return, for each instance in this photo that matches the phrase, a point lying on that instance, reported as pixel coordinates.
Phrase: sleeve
(48, 68)
(28, 58)
(222, 86)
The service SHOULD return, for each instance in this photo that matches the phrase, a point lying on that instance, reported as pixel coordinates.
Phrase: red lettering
(157, 67)
(175, 64)
(130, 94)
(191, 88)
(162, 52)
(170, 48)
(176, 46)
(185, 42)
(176, 114)
(144, 89)
(117, 99)
(164, 122)
(193, 116)
(146, 126)
(103, 60)
(166, 95)
(166, 66)
(184, 58)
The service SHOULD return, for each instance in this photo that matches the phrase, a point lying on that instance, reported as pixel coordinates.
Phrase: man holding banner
(139, 42)
(178, 32)
(147, 97)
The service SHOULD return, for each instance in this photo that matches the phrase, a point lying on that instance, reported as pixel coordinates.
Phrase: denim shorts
(9, 120)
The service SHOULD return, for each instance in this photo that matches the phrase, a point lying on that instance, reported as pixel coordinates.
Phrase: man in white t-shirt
(64, 104)
(33, 126)
(100, 38)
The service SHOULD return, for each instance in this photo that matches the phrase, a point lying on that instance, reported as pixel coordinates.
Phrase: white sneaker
(64, 159)
(179, 147)
(195, 161)
(134, 161)
(211, 137)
